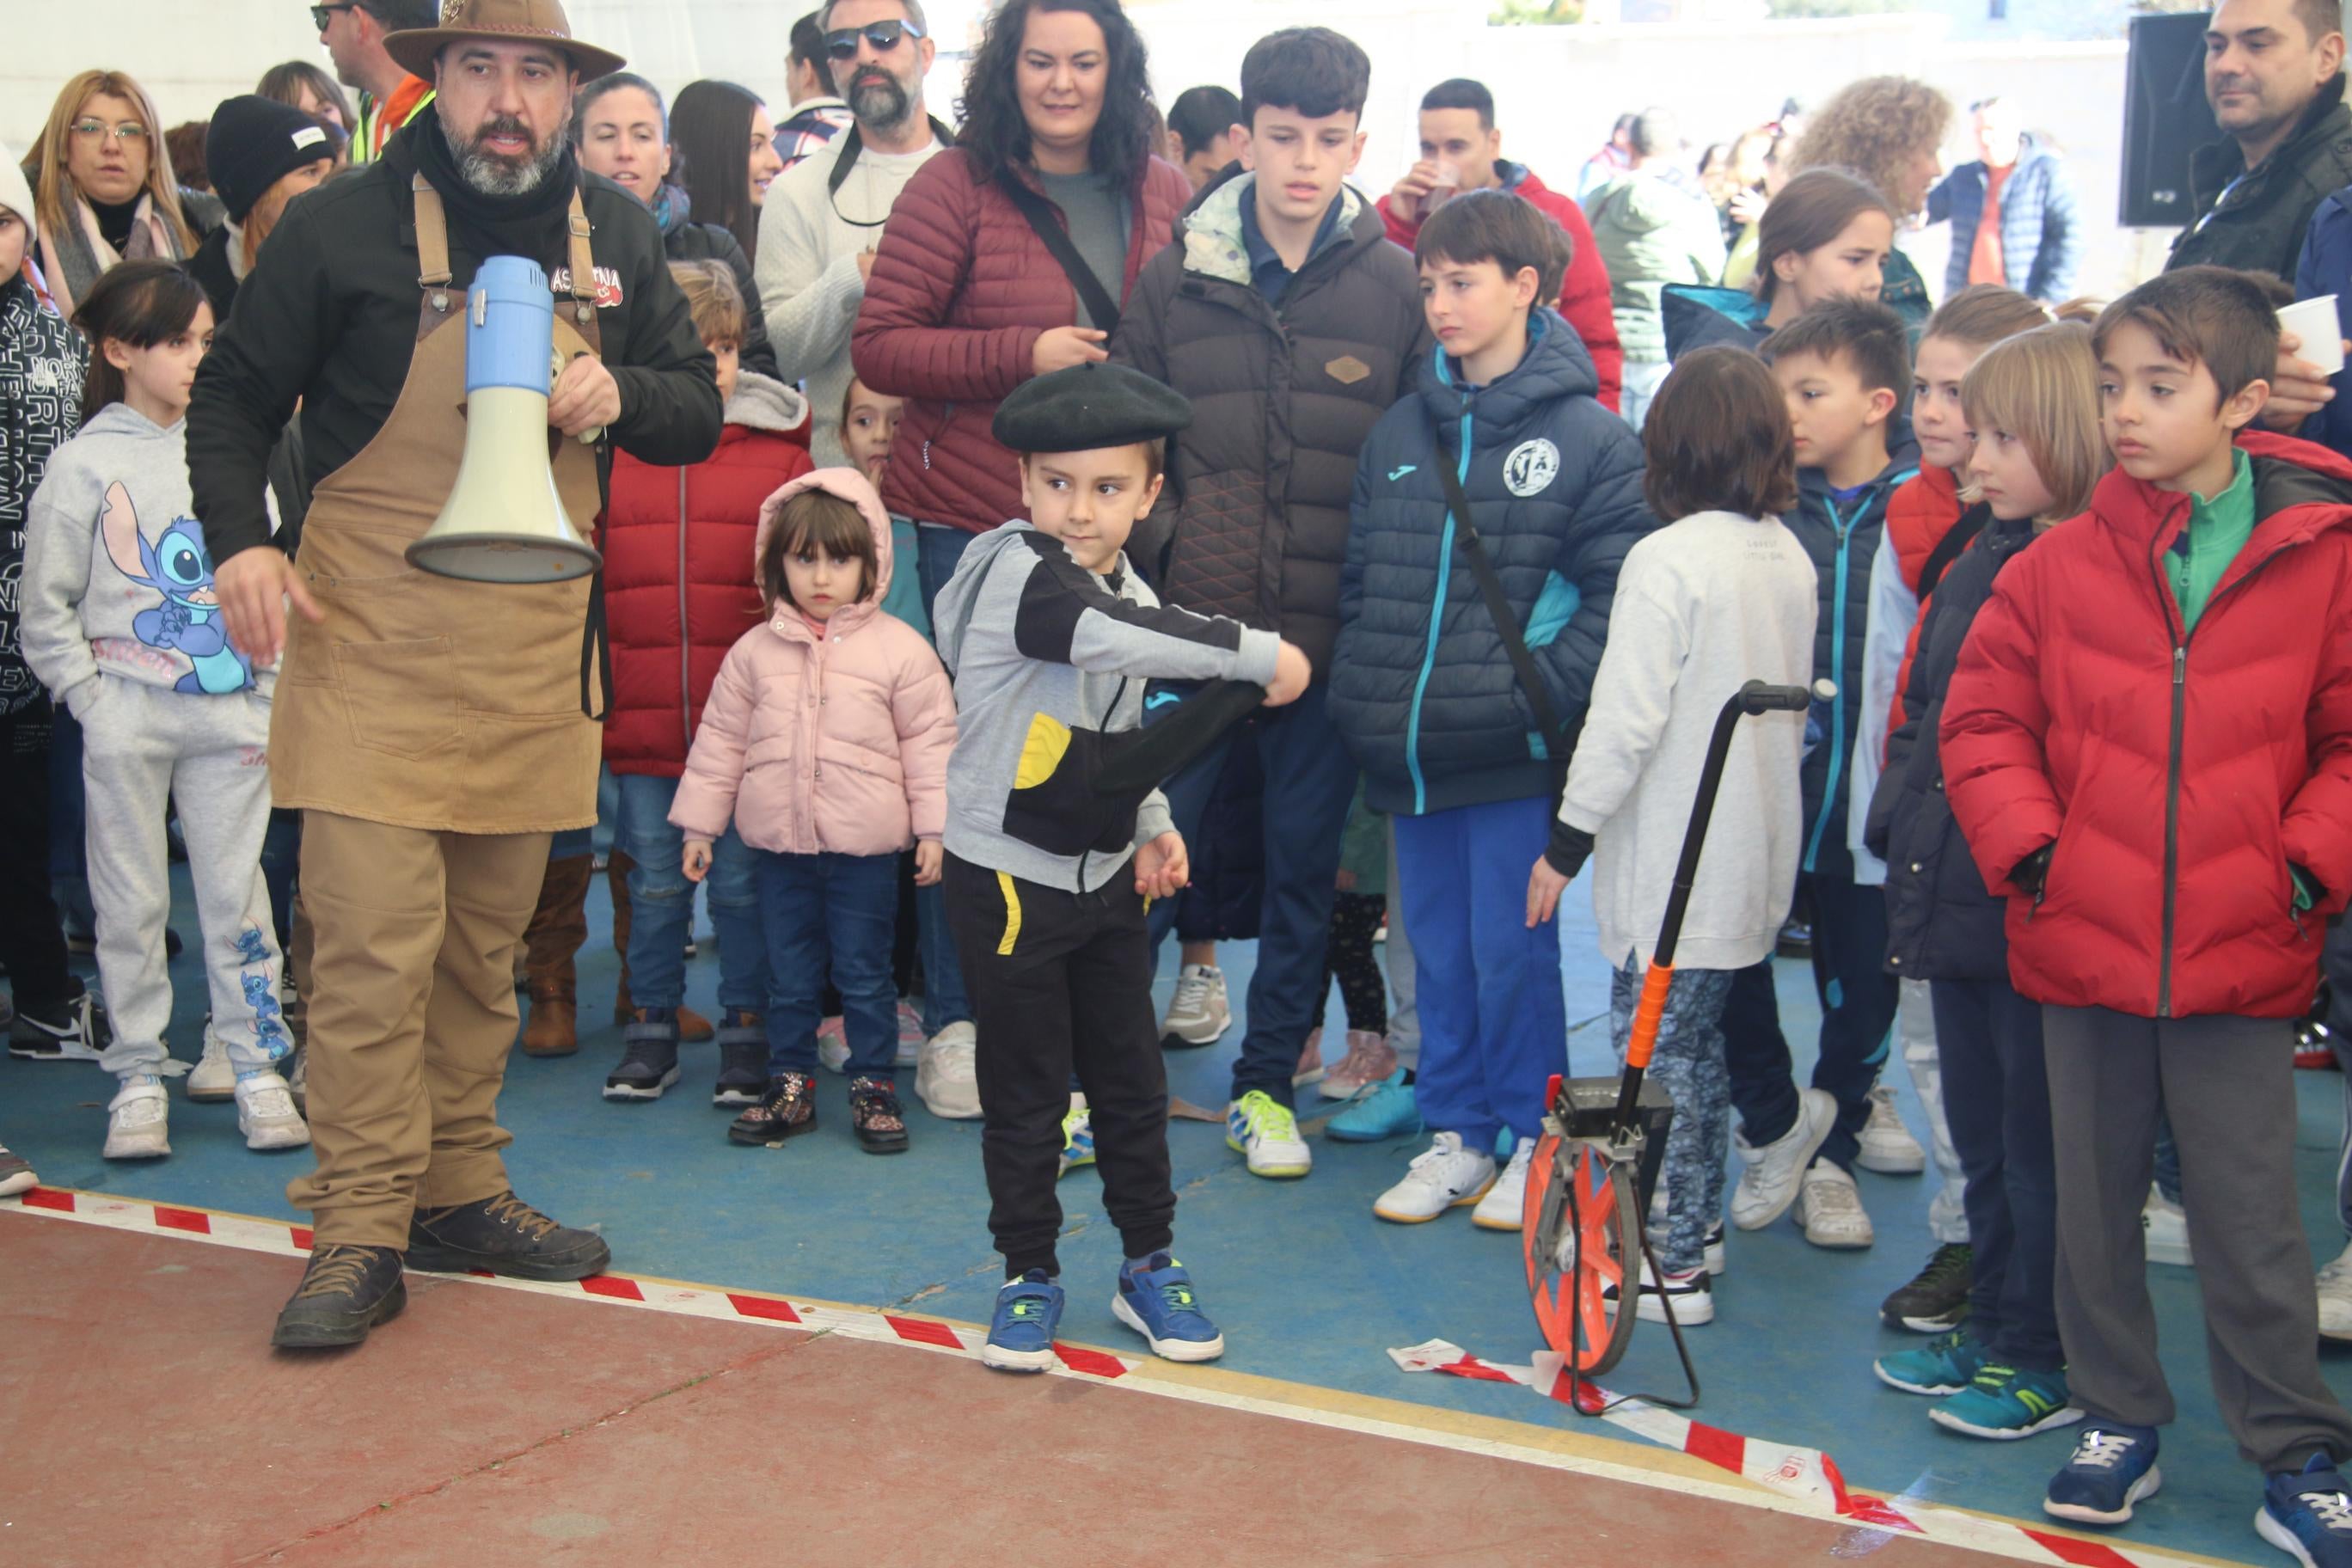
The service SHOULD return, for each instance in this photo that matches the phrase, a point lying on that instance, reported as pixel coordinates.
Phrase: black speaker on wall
(2166, 117)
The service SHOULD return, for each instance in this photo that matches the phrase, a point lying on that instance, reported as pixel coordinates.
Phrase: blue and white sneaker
(2307, 1514)
(1077, 1139)
(1021, 1334)
(1157, 1302)
(2114, 1467)
(1384, 1109)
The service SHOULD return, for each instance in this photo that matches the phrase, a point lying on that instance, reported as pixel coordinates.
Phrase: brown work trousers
(411, 1014)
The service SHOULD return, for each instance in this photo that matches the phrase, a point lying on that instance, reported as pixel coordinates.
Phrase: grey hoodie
(118, 580)
(1049, 659)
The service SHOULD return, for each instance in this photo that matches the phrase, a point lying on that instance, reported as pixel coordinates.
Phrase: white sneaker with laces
(266, 1113)
(1201, 1012)
(1767, 1184)
(138, 1123)
(211, 1080)
(2335, 1298)
(2166, 1229)
(1692, 1295)
(1501, 1208)
(1829, 1209)
(1887, 1146)
(947, 1074)
(1265, 1133)
(1446, 1176)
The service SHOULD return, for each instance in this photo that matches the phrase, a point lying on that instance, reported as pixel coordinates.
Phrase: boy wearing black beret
(1051, 637)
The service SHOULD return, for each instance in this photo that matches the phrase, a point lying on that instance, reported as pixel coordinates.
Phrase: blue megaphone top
(509, 326)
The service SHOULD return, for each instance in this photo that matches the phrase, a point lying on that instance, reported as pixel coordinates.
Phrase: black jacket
(209, 265)
(2257, 223)
(42, 360)
(683, 241)
(327, 317)
(1942, 923)
(1282, 397)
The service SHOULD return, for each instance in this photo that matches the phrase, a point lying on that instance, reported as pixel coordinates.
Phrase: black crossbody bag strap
(854, 142)
(1048, 224)
(1499, 606)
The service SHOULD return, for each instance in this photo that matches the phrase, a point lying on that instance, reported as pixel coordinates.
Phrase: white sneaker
(833, 1043)
(1265, 1133)
(1887, 1146)
(1501, 1208)
(2335, 1298)
(2167, 1232)
(1769, 1183)
(297, 1078)
(1712, 1253)
(137, 1123)
(947, 1074)
(1202, 1012)
(1447, 1176)
(1692, 1295)
(1715, 1258)
(211, 1080)
(910, 1034)
(265, 1114)
(1829, 1209)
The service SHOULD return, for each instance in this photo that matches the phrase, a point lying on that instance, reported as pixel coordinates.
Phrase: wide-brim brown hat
(498, 21)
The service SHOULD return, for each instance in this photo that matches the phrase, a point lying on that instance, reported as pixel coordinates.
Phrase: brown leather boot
(558, 926)
(693, 1029)
(552, 1028)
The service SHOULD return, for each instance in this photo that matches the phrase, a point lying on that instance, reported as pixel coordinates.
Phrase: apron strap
(596, 652)
(582, 262)
(432, 243)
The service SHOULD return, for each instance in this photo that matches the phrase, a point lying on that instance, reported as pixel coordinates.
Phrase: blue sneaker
(1021, 1334)
(2307, 1514)
(2114, 1467)
(1384, 1109)
(2006, 1402)
(1945, 1364)
(1157, 1302)
(1077, 1141)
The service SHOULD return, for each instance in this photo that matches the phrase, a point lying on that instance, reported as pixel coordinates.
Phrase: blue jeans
(937, 551)
(1997, 1102)
(848, 905)
(662, 903)
(1494, 1020)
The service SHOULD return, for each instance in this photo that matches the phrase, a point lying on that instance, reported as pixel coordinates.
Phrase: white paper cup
(2317, 325)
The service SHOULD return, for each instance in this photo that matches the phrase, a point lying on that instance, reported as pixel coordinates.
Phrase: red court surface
(147, 1421)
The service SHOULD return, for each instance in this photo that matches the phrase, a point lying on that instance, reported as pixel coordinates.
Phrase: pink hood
(855, 489)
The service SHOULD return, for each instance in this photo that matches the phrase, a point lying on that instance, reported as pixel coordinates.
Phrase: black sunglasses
(322, 14)
(841, 44)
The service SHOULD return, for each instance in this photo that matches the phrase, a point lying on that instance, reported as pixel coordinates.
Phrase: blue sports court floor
(1309, 1286)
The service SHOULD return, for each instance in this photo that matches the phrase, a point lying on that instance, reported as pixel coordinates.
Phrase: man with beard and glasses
(433, 732)
(824, 217)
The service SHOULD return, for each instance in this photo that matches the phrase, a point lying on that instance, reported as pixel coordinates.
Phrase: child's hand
(1291, 674)
(1544, 886)
(929, 860)
(1161, 869)
(696, 862)
(1346, 881)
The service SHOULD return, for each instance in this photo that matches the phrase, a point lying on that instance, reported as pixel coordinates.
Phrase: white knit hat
(14, 193)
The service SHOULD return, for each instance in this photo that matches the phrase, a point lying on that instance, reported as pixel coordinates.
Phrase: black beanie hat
(255, 141)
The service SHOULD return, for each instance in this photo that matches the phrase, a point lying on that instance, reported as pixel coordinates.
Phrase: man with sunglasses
(352, 32)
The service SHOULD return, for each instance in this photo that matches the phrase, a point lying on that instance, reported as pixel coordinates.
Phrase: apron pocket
(399, 697)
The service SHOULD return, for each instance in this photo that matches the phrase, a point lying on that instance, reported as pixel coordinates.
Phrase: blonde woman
(104, 189)
(1890, 131)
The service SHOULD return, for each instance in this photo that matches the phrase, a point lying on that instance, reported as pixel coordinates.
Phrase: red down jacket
(2178, 777)
(677, 571)
(963, 289)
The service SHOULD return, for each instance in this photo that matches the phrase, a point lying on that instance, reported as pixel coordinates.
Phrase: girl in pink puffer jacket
(826, 739)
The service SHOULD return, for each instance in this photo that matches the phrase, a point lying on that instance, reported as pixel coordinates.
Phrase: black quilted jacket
(1255, 524)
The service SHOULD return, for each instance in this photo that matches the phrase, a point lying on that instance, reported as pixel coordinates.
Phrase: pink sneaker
(1310, 1060)
(1370, 1060)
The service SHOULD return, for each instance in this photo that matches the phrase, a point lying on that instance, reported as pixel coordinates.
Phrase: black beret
(1087, 407)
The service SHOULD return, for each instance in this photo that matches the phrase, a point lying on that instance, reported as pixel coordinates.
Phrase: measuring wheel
(1583, 1250)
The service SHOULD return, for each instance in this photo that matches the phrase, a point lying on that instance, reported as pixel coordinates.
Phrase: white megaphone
(504, 521)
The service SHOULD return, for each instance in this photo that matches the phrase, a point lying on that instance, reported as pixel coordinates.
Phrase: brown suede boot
(550, 942)
(693, 1029)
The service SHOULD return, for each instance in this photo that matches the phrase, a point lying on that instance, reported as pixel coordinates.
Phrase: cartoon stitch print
(188, 621)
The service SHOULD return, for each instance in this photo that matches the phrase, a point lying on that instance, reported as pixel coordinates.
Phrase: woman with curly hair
(1890, 131)
(967, 300)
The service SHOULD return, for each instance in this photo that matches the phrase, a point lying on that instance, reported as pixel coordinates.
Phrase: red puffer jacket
(963, 289)
(2179, 777)
(677, 571)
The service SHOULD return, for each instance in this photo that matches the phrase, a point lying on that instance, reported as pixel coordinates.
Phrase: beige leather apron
(419, 701)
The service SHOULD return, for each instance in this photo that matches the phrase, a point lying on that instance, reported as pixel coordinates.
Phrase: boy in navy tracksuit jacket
(1422, 689)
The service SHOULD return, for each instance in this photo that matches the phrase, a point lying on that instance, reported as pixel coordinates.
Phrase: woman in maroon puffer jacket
(966, 303)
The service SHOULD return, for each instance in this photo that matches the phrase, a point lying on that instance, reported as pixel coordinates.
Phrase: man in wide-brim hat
(433, 732)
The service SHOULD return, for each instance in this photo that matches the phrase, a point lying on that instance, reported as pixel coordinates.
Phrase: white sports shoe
(1201, 1012)
(1446, 1176)
(2167, 1232)
(1501, 1208)
(1768, 1184)
(138, 1123)
(833, 1043)
(297, 1078)
(1829, 1211)
(211, 1080)
(1693, 1294)
(947, 1073)
(265, 1114)
(1265, 1133)
(2335, 1298)
(1887, 1146)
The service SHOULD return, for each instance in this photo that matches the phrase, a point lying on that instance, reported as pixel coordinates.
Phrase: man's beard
(494, 175)
(880, 100)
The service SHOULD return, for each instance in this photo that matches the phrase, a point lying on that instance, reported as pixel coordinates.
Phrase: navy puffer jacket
(1422, 689)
